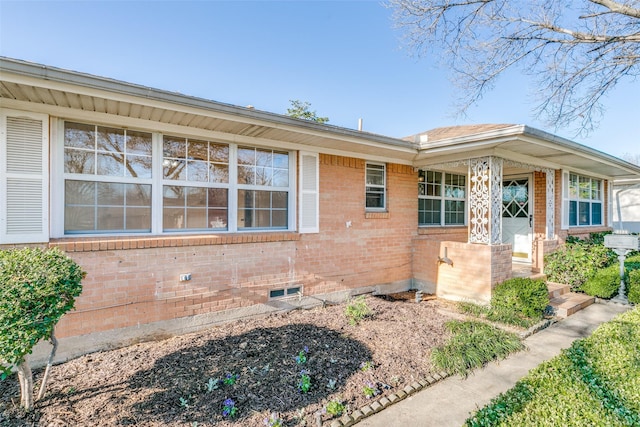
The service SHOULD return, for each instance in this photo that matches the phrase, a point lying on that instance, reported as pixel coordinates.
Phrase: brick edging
(386, 401)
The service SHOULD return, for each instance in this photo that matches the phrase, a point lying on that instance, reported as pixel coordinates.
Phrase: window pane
(79, 135)
(197, 171)
(281, 160)
(79, 218)
(138, 166)
(79, 161)
(138, 195)
(595, 189)
(110, 193)
(110, 218)
(246, 156)
(79, 193)
(264, 158)
(173, 218)
(264, 176)
(218, 173)
(375, 197)
(375, 175)
(584, 187)
(174, 169)
(279, 199)
(174, 147)
(196, 197)
(583, 213)
(110, 140)
(219, 153)
(596, 213)
(280, 178)
(279, 219)
(196, 218)
(573, 186)
(139, 143)
(246, 175)
(198, 150)
(573, 213)
(429, 212)
(217, 218)
(138, 219)
(453, 212)
(110, 164)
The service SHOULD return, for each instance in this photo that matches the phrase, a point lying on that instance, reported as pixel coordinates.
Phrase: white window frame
(157, 181)
(567, 199)
(443, 198)
(383, 186)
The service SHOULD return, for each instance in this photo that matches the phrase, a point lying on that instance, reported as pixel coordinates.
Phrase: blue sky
(344, 57)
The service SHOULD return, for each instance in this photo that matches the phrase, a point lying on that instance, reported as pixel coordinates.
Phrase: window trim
(567, 201)
(383, 187)
(157, 181)
(443, 199)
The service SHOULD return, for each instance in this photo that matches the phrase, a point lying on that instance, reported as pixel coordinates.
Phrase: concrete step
(569, 303)
(557, 289)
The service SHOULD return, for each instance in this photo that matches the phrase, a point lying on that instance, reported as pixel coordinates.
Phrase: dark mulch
(164, 383)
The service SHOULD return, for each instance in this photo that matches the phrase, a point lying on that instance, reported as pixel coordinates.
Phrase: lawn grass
(595, 382)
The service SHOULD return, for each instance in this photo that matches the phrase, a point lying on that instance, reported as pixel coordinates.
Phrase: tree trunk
(54, 342)
(26, 385)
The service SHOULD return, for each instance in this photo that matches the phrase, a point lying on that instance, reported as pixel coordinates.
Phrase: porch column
(551, 202)
(485, 200)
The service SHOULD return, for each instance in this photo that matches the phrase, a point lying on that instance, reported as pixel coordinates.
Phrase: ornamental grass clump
(357, 310)
(471, 345)
(37, 287)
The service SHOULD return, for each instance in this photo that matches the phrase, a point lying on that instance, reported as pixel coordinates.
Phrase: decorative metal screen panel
(485, 200)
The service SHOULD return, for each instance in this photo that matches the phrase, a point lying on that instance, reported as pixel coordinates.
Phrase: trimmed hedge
(594, 382)
(522, 295)
(604, 284)
(633, 287)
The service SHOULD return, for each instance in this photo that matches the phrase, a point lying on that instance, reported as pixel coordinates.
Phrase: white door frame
(519, 230)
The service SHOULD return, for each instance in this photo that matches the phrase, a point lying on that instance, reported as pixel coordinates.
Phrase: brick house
(187, 212)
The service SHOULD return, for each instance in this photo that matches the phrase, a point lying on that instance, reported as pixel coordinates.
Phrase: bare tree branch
(576, 50)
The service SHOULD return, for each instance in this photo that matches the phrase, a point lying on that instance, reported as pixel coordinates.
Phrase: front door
(517, 216)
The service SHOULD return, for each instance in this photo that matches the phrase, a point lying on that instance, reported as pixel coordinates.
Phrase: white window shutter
(565, 200)
(309, 193)
(24, 147)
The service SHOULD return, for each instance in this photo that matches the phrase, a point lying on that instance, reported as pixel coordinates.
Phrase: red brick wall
(134, 281)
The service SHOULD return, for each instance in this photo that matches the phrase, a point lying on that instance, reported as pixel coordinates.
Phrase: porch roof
(518, 143)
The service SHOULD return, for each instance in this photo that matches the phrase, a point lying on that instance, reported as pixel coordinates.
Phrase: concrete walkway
(451, 401)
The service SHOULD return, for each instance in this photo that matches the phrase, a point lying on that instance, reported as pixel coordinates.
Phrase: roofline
(59, 75)
(536, 134)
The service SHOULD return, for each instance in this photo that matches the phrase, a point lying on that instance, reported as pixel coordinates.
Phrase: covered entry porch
(510, 222)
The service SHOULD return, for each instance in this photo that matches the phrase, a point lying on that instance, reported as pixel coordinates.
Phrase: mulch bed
(173, 382)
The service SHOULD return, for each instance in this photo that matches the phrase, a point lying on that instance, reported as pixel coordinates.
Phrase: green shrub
(595, 382)
(472, 345)
(633, 286)
(604, 284)
(357, 310)
(521, 295)
(574, 263)
(37, 287)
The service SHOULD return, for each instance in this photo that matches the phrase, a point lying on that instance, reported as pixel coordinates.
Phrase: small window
(286, 292)
(375, 186)
(584, 200)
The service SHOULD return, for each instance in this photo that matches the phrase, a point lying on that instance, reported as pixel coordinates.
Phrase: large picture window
(118, 181)
(585, 200)
(441, 198)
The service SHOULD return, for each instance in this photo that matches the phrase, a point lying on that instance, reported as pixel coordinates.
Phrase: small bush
(634, 286)
(357, 310)
(472, 345)
(522, 296)
(576, 262)
(604, 284)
